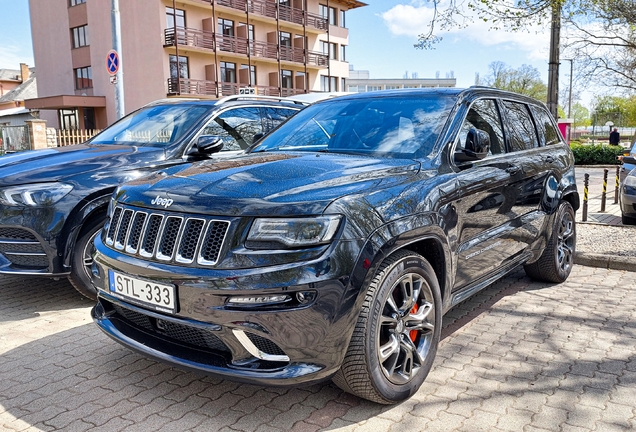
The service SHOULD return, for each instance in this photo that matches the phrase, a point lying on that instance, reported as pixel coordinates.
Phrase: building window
(333, 49)
(328, 13)
(285, 39)
(328, 83)
(76, 2)
(343, 84)
(392, 87)
(228, 72)
(182, 66)
(175, 16)
(324, 47)
(374, 87)
(286, 79)
(80, 36)
(226, 27)
(83, 78)
(250, 31)
(68, 119)
(342, 18)
(284, 3)
(252, 73)
(343, 52)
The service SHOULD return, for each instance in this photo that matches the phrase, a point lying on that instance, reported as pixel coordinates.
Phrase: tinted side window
(484, 115)
(521, 131)
(236, 126)
(548, 134)
(272, 117)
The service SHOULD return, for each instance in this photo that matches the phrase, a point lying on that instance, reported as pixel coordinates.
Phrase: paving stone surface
(519, 356)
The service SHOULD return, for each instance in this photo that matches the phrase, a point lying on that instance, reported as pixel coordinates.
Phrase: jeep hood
(61, 163)
(266, 183)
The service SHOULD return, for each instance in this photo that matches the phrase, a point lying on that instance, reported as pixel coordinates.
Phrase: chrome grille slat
(114, 224)
(136, 230)
(167, 237)
(122, 230)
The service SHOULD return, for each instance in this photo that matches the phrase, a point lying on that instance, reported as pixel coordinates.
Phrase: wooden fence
(64, 137)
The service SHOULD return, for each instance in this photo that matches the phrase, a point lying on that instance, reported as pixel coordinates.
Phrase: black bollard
(618, 168)
(604, 195)
(586, 183)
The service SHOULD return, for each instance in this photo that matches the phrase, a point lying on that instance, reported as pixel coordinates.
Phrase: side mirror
(629, 160)
(257, 137)
(206, 145)
(476, 147)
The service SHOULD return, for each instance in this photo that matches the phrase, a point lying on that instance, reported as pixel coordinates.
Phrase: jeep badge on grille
(165, 202)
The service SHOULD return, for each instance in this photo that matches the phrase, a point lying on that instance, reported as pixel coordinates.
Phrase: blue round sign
(112, 62)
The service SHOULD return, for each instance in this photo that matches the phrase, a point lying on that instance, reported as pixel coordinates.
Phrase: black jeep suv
(53, 202)
(333, 247)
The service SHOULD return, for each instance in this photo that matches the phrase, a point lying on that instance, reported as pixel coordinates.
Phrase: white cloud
(413, 19)
(407, 20)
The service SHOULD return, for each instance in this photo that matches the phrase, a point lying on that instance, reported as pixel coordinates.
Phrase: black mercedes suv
(332, 248)
(53, 202)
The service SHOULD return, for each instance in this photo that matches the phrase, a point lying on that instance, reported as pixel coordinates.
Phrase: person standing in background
(615, 137)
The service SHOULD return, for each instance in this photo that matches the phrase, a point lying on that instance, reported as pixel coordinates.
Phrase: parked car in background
(627, 195)
(626, 167)
(332, 248)
(53, 202)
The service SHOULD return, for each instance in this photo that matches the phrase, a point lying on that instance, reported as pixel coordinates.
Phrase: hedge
(596, 154)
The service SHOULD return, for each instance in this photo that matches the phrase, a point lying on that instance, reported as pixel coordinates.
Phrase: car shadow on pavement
(23, 297)
(78, 379)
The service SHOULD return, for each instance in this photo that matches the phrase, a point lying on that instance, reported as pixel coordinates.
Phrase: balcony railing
(293, 54)
(189, 37)
(209, 88)
(207, 40)
(191, 86)
(234, 4)
(317, 58)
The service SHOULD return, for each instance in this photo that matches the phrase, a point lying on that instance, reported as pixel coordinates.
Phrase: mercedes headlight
(39, 194)
(630, 181)
(291, 233)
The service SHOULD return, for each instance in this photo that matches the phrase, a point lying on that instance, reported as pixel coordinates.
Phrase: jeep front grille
(166, 237)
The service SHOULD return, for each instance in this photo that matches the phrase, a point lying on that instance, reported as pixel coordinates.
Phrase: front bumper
(280, 345)
(628, 201)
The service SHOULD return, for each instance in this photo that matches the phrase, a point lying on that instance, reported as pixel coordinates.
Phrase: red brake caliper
(413, 333)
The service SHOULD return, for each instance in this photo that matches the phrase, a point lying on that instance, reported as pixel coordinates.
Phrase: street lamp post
(570, 95)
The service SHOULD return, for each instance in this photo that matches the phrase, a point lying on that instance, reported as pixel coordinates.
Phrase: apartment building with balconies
(185, 48)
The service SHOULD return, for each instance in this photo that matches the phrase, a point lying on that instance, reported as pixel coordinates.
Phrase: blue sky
(381, 38)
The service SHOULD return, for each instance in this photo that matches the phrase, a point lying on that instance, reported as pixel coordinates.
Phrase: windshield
(396, 127)
(153, 126)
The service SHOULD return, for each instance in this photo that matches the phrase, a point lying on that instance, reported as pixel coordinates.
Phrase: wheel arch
(95, 205)
(428, 241)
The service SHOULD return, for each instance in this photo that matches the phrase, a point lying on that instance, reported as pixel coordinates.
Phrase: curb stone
(605, 261)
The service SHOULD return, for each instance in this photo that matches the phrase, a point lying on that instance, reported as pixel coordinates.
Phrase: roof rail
(262, 97)
(173, 99)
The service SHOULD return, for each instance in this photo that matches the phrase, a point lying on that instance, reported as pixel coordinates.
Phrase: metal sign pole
(119, 77)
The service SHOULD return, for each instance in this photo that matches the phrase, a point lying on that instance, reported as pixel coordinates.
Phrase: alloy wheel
(406, 328)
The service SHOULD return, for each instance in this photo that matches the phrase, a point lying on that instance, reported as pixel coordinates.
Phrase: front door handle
(549, 159)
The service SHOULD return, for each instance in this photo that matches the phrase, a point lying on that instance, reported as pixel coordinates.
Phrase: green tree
(525, 80)
(600, 34)
(580, 115)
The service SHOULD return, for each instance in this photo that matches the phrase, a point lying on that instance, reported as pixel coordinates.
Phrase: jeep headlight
(37, 194)
(291, 233)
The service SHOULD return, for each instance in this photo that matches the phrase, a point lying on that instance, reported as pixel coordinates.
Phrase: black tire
(557, 258)
(627, 220)
(396, 336)
(83, 258)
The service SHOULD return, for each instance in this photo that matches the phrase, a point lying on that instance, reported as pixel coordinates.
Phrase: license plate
(158, 296)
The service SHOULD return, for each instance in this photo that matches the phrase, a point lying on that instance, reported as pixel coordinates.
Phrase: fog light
(259, 300)
(305, 297)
